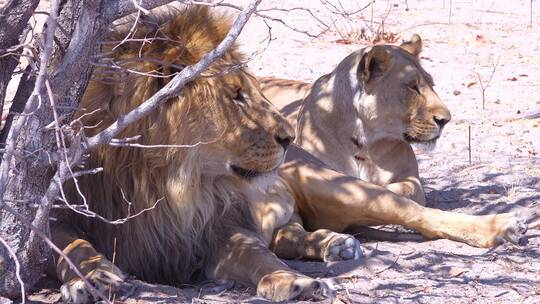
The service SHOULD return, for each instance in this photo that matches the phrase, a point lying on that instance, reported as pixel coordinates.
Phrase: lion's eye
(415, 88)
(240, 98)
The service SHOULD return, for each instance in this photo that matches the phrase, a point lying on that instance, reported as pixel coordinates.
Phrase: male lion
(217, 202)
(360, 120)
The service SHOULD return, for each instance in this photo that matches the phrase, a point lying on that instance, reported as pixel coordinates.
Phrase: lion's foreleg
(292, 241)
(97, 269)
(245, 258)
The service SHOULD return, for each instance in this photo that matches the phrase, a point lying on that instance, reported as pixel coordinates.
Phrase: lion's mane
(175, 240)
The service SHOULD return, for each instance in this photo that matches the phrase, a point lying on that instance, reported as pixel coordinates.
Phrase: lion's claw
(76, 291)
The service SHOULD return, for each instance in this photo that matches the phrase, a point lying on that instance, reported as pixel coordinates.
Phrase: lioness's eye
(240, 98)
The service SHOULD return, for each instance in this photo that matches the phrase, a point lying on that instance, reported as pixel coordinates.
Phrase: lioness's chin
(415, 140)
(250, 174)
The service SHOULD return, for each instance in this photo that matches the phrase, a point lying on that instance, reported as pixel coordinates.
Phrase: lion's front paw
(284, 285)
(105, 278)
(342, 247)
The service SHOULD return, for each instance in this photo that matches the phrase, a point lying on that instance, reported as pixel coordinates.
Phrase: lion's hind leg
(293, 241)
(96, 268)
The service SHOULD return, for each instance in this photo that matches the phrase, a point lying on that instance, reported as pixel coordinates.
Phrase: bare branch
(126, 7)
(483, 86)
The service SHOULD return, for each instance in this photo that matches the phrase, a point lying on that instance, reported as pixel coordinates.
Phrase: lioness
(208, 209)
(354, 131)
(360, 120)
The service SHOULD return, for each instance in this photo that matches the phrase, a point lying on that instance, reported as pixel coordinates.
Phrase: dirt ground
(469, 40)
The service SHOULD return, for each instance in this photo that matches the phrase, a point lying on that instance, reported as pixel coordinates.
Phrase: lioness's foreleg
(331, 200)
(396, 168)
(411, 188)
(96, 268)
(292, 241)
(246, 258)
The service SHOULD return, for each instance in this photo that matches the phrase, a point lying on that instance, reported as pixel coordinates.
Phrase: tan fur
(358, 120)
(209, 221)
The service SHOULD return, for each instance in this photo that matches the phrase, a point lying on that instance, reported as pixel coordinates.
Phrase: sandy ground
(504, 172)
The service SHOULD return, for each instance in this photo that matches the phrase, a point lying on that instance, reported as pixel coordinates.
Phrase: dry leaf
(512, 79)
(457, 271)
(428, 289)
(471, 84)
(343, 41)
(456, 93)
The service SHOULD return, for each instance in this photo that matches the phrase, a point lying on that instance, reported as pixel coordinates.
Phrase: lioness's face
(400, 100)
(248, 136)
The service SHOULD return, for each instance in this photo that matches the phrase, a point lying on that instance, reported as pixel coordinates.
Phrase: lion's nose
(441, 121)
(284, 134)
(284, 139)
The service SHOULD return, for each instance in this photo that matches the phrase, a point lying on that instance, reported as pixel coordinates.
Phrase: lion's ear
(374, 63)
(413, 46)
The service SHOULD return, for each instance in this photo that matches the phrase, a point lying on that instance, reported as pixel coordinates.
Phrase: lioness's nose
(441, 121)
(441, 115)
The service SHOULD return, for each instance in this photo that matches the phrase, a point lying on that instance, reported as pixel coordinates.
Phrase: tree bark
(81, 24)
(14, 18)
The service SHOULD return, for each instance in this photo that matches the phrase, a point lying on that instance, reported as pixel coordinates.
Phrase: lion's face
(400, 102)
(244, 134)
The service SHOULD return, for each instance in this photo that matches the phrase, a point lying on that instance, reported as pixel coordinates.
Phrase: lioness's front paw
(514, 229)
(103, 279)
(342, 247)
(284, 285)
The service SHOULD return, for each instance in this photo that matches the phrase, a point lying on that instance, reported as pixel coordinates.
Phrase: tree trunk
(29, 189)
(30, 178)
(14, 18)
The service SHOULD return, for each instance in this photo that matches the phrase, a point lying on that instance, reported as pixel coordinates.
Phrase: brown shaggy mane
(171, 243)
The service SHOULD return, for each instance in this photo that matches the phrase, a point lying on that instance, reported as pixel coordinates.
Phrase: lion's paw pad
(342, 247)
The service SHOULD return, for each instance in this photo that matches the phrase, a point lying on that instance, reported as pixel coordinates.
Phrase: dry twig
(483, 86)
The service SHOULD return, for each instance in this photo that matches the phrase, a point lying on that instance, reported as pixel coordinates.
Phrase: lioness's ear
(374, 63)
(413, 46)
